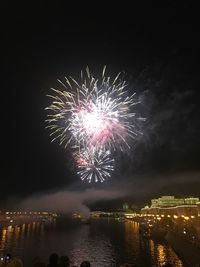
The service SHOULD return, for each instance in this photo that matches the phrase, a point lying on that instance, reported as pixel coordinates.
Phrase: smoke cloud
(135, 189)
(69, 201)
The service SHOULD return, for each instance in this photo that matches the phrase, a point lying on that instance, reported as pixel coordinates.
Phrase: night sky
(156, 46)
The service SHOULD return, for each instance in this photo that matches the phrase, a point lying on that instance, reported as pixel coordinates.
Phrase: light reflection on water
(104, 243)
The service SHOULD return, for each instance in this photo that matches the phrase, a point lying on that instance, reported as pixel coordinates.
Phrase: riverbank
(19, 222)
(184, 247)
(188, 252)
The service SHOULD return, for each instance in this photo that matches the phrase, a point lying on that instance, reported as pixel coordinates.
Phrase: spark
(93, 112)
(94, 116)
(94, 165)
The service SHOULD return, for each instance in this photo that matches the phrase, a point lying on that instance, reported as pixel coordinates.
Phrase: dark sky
(157, 47)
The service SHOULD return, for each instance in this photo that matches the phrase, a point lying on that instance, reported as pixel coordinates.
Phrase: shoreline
(189, 253)
(19, 222)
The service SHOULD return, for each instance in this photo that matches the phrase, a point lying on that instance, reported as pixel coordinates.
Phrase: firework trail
(94, 117)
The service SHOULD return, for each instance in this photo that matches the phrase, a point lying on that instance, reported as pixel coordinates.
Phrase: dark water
(104, 242)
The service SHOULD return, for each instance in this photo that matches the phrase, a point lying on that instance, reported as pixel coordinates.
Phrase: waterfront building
(171, 206)
(145, 210)
(167, 201)
(125, 207)
(191, 200)
(198, 208)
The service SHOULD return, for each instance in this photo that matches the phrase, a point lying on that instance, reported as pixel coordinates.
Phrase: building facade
(171, 206)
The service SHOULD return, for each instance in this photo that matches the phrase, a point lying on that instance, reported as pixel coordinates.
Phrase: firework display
(94, 117)
(94, 164)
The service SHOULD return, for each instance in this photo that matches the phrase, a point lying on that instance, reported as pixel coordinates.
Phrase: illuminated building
(145, 209)
(169, 205)
(167, 201)
(125, 207)
(198, 208)
(191, 200)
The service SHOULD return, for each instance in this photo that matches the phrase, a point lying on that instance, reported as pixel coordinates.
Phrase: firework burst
(95, 116)
(95, 164)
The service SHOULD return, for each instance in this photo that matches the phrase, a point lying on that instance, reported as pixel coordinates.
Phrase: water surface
(104, 242)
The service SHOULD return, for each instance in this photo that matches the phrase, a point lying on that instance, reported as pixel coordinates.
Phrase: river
(104, 242)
